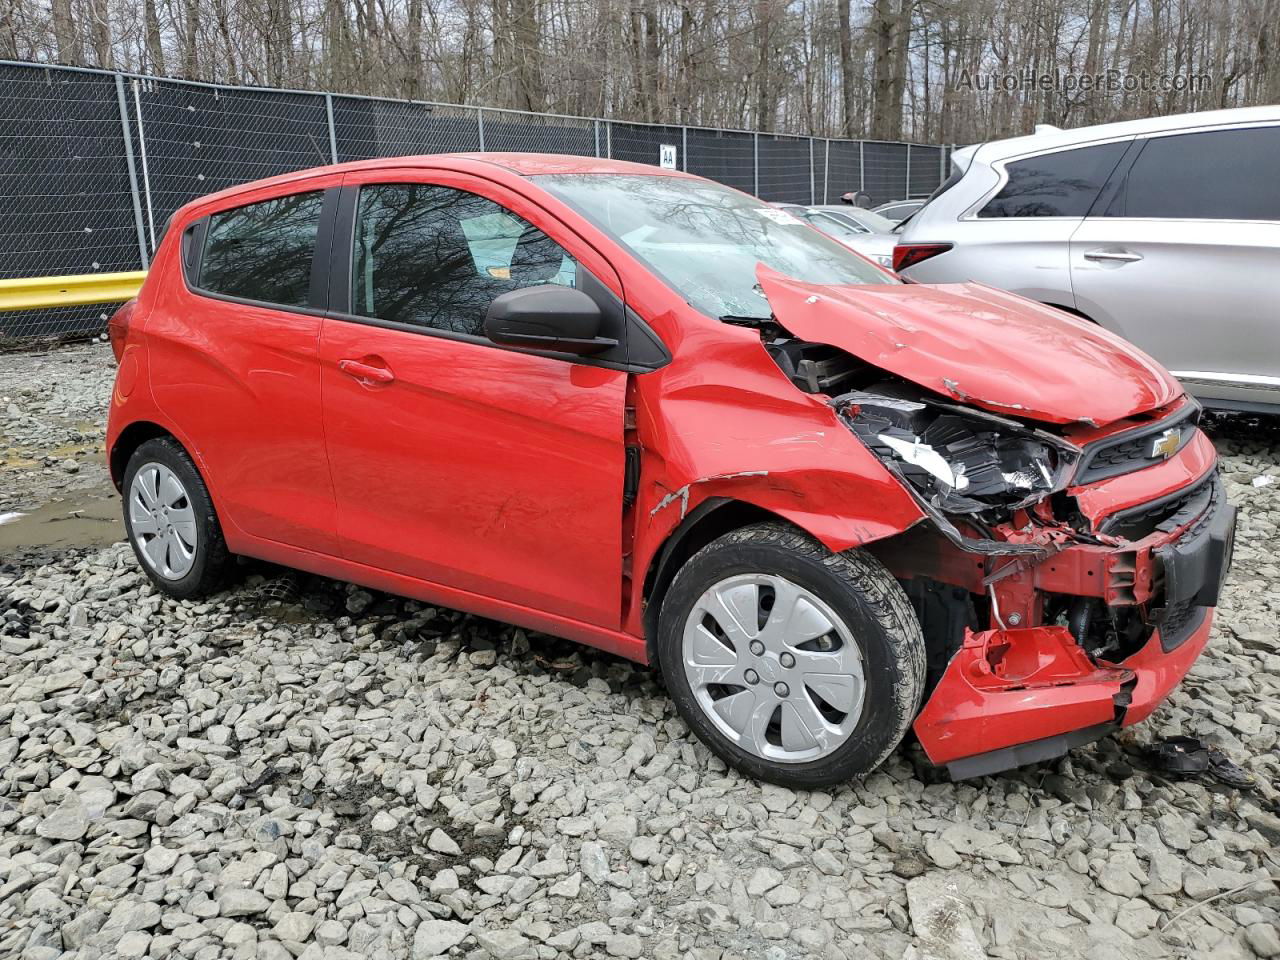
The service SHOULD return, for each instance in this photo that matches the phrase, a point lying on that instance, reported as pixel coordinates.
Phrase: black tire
(212, 561)
(857, 587)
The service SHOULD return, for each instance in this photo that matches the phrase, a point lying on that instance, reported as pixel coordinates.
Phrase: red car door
(235, 361)
(455, 461)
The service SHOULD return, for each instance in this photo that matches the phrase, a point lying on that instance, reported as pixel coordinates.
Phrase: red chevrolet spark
(647, 412)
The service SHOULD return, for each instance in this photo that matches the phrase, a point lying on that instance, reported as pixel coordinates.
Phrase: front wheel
(794, 664)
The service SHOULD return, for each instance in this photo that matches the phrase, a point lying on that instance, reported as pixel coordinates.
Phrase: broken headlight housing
(960, 460)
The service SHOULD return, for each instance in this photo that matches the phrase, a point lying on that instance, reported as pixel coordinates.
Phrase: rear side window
(1062, 184)
(263, 251)
(1216, 175)
(437, 257)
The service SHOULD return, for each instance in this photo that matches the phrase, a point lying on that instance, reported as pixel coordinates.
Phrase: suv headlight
(960, 461)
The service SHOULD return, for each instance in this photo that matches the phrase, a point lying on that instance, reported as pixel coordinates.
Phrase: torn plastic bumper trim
(1021, 754)
(1007, 689)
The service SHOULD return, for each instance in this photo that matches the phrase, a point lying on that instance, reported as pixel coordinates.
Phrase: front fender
(747, 434)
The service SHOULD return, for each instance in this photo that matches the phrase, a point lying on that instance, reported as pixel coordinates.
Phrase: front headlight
(959, 461)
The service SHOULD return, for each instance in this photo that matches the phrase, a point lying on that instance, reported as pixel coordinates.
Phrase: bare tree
(887, 69)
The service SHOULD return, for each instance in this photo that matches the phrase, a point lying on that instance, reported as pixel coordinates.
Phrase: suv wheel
(794, 664)
(169, 518)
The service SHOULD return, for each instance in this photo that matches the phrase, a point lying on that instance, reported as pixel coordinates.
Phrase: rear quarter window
(1061, 184)
(1214, 175)
(263, 251)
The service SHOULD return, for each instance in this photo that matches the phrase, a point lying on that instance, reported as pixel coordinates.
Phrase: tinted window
(263, 251)
(1220, 175)
(436, 257)
(1062, 184)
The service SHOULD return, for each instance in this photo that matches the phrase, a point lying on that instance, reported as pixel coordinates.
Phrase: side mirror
(549, 317)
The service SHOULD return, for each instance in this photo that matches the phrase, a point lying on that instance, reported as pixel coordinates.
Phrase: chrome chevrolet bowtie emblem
(1166, 445)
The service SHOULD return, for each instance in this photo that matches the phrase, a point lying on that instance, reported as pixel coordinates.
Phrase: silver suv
(1166, 231)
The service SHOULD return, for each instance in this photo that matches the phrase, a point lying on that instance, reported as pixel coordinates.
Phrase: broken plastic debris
(10, 517)
(1263, 480)
(926, 458)
(1189, 757)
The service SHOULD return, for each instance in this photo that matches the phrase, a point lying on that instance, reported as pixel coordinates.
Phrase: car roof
(1047, 137)
(519, 164)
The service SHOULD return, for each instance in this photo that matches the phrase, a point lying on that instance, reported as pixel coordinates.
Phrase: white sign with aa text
(667, 156)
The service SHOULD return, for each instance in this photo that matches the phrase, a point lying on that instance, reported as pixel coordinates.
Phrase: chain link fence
(93, 163)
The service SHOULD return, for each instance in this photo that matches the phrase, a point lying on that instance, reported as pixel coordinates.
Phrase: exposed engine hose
(1079, 615)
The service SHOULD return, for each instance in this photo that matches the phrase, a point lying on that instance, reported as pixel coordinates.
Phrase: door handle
(1119, 256)
(366, 372)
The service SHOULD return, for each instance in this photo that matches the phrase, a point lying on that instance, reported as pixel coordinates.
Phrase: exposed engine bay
(1073, 539)
(994, 486)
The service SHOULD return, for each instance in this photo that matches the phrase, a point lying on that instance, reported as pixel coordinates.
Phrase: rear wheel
(794, 664)
(170, 520)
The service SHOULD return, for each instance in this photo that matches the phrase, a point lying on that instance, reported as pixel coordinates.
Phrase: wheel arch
(130, 439)
(709, 520)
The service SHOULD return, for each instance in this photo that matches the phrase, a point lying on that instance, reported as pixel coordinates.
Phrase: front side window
(1214, 175)
(263, 251)
(436, 257)
(1062, 184)
(705, 240)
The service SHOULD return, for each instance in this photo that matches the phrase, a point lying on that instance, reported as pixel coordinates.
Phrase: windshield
(704, 239)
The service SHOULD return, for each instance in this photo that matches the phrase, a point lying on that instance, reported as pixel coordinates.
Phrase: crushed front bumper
(1013, 696)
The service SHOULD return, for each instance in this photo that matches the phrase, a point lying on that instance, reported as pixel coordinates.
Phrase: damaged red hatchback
(647, 412)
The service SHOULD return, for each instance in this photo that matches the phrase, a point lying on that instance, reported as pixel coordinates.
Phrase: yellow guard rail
(33, 293)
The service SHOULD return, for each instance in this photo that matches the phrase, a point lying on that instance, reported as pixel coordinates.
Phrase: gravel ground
(299, 768)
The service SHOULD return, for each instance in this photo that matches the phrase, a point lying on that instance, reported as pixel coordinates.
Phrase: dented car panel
(979, 345)
(731, 426)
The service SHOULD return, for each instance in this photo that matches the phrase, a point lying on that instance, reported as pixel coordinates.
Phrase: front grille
(1166, 514)
(1132, 450)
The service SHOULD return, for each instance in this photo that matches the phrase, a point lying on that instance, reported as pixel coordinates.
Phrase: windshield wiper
(742, 321)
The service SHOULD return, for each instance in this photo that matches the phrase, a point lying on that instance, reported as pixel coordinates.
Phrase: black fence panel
(926, 170)
(723, 155)
(843, 168)
(201, 139)
(885, 171)
(643, 142)
(66, 206)
(532, 133)
(785, 172)
(365, 128)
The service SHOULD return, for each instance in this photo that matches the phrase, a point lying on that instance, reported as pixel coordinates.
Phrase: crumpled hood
(978, 345)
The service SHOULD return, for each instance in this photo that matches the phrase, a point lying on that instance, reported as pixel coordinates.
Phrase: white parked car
(1165, 231)
(860, 230)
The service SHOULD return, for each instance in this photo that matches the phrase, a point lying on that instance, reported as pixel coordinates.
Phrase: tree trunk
(846, 68)
(882, 20)
(764, 95)
(413, 61)
(8, 31)
(191, 28)
(155, 50)
(64, 34)
(898, 83)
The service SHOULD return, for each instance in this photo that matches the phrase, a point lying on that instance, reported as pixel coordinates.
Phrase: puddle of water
(87, 518)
